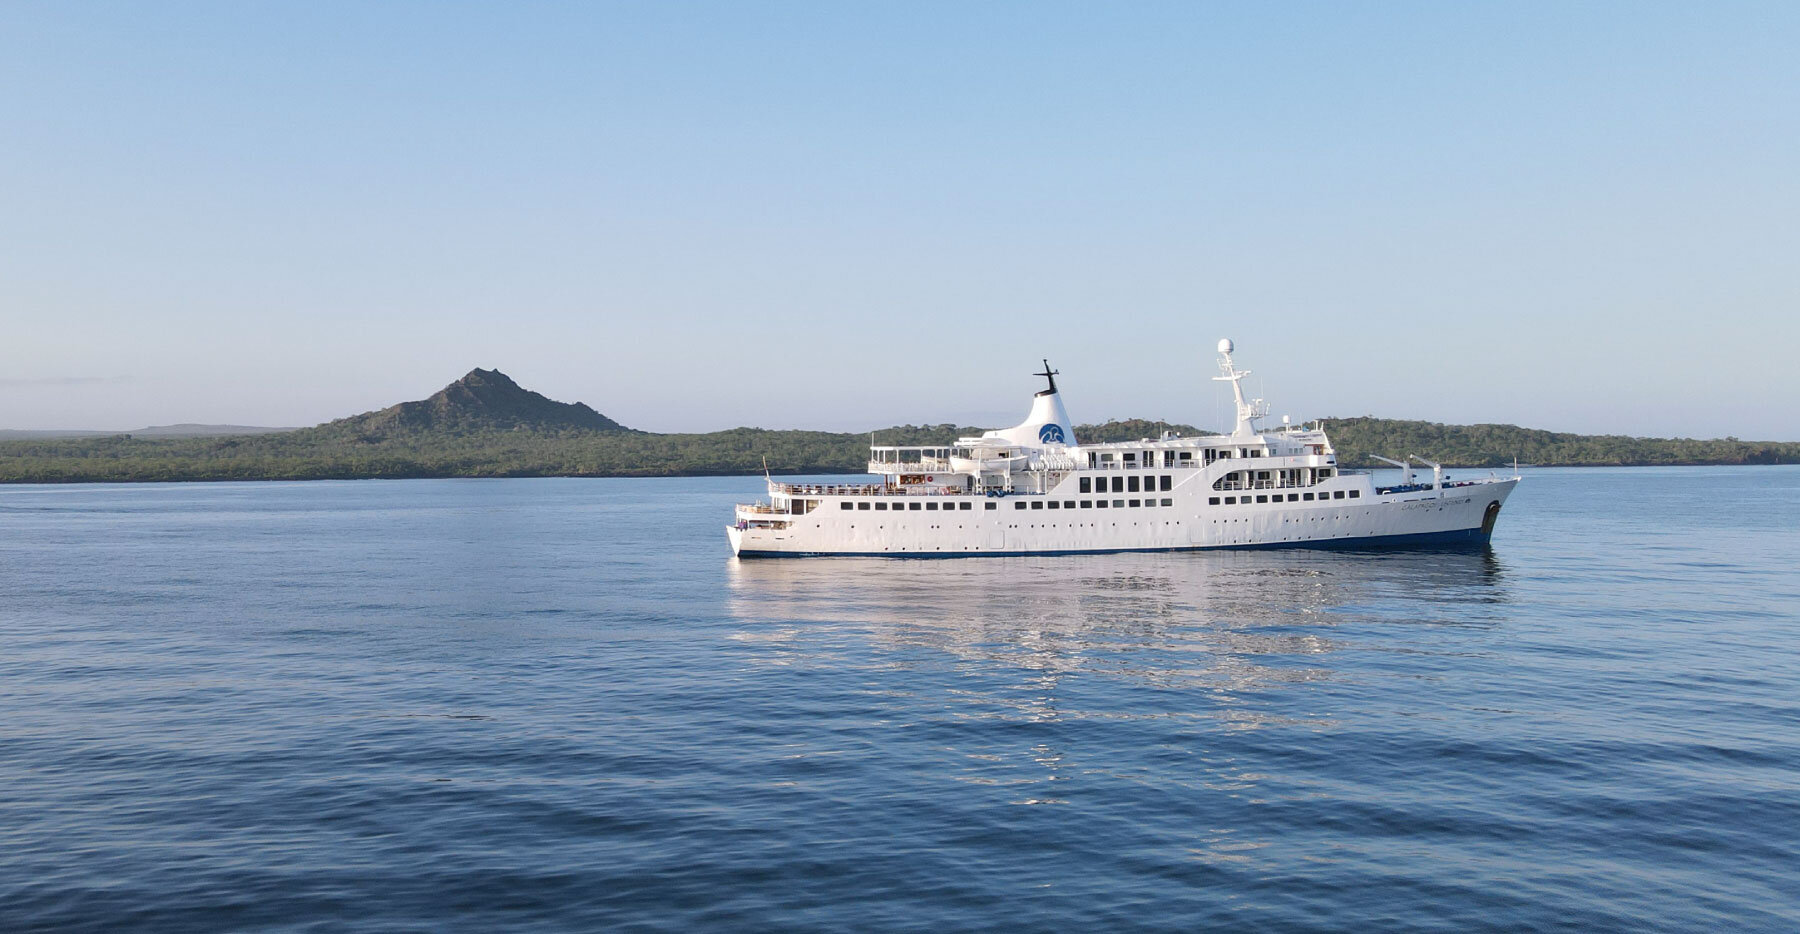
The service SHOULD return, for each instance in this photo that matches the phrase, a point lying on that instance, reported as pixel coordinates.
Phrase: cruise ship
(1035, 489)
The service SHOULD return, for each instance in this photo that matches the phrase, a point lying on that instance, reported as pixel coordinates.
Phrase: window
(913, 506)
(1087, 485)
(1055, 504)
(1337, 494)
(1262, 499)
(1118, 504)
(862, 506)
(1068, 504)
(963, 506)
(1355, 493)
(1306, 496)
(1019, 505)
(1229, 500)
(1136, 503)
(1087, 504)
(1186, 456)
(1166, 483)
(931, 506)
(1167, 501)
(1293, 497)
(1131, 484)
(881, 506)
(1099, 504)
(990, 505)
(1212, 501)
(1118, 484)
(846, 504)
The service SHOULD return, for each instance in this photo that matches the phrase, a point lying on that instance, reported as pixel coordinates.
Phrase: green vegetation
(1496, 445)
(485, 425)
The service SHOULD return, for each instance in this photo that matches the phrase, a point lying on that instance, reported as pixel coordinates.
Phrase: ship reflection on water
(1236, 623)
(1024, 672)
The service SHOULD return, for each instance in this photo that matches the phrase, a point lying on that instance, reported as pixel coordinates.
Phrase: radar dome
(1225, 345)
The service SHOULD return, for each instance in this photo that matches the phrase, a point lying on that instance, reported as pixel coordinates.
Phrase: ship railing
(894, 455)
(1423, 487)
(928, 465)
(747, 524)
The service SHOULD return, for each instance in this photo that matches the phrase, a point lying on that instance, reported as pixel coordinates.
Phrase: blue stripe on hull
(1460, 538)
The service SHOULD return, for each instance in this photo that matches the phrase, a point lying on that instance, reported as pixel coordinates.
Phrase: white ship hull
(1460, 516)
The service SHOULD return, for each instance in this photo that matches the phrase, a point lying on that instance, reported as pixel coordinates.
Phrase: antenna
(1248, 410)
(1050, 375)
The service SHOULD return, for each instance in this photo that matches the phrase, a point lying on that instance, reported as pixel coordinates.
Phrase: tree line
(332, 452)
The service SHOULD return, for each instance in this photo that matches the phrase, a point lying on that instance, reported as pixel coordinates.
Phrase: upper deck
(973, 456)
(907, 459)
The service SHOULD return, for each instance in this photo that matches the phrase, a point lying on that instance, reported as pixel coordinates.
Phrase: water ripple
(556, 704)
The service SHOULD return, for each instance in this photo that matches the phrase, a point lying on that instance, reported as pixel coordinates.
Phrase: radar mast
(1247, 411)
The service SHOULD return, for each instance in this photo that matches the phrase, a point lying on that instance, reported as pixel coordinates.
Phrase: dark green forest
(322, 453)
(485, 425)
(1496, 445)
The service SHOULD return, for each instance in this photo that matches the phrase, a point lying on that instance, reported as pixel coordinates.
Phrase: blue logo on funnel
(1051, 434)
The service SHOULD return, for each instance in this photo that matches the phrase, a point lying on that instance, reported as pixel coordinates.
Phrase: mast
(1247, 411)
(1050, 375)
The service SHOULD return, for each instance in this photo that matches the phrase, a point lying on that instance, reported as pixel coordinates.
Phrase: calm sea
(559, 704)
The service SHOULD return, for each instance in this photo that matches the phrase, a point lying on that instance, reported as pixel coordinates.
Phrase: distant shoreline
(484, 425)
(697, 475)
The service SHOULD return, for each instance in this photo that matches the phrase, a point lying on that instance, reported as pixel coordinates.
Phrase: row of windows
(1277, 497)
(1246, 499)
(915, 507)
(1089, 503)
(1129, 460)
(1128, 484)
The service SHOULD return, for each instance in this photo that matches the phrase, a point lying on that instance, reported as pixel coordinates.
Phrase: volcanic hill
(484, 400)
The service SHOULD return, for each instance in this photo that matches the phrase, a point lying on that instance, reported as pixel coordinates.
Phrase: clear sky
(1578, 216)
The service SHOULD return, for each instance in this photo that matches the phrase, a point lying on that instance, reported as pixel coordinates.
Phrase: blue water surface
(560, 704)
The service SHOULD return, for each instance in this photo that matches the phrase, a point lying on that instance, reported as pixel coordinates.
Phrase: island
(487, 425)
